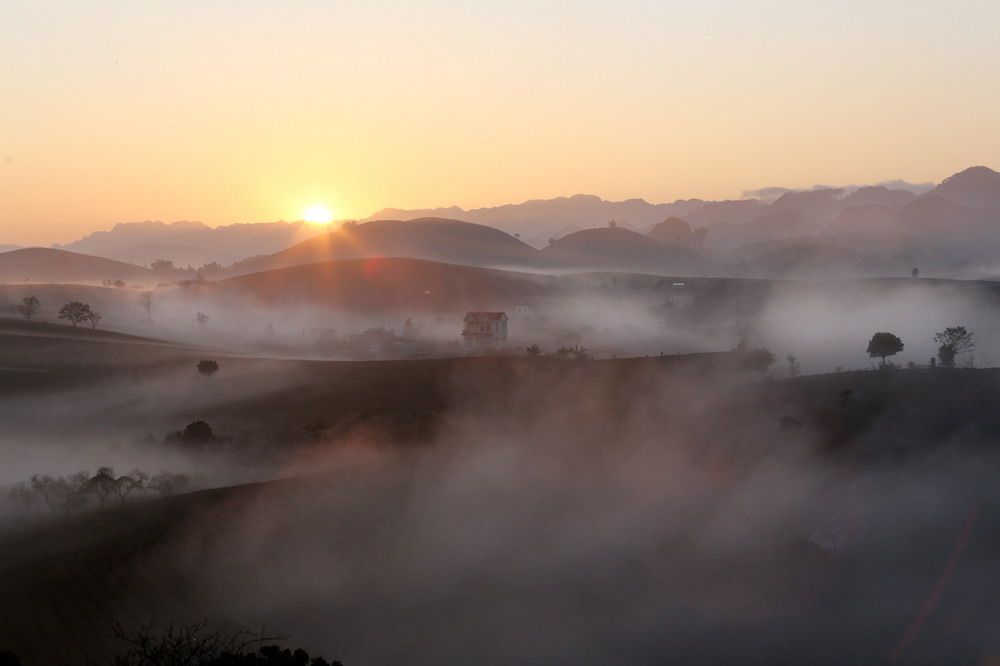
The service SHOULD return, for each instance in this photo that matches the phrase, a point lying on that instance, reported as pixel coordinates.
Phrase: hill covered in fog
(38, 264)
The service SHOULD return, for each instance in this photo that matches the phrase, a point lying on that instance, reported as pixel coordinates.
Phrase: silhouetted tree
(146, 301)
(793, 366)
(102, 485)
(915, 272)
(197, 645)
(52, 490)
(169, 483)
(883, 345)
(162, 266)
(94, 319)
(575, 351)
(758, 360)
(75, 312)
(946, 355)
(202, 318)
(197, 432)
(533, 350)
(953, 341)
(208, 368)
(29, 307)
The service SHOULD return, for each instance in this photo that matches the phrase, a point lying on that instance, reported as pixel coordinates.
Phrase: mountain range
(953, 230)
(191, 243)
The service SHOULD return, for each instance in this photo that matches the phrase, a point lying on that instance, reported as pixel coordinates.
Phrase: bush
(197, 645)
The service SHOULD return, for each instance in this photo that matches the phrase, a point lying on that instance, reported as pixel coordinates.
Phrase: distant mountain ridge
(434, 239)
(191, 243)
(952, 229)
(536, 216)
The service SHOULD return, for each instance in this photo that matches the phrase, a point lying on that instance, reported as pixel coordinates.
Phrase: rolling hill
(616, 249)
(433, 239)
(383, 284)
(49, 265)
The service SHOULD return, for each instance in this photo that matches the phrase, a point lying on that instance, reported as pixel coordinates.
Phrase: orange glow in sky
(241, 112)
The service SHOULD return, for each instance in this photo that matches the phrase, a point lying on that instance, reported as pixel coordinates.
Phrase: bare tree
(94, 319)
(76, 312)
(953, 341)
(146, 301)
(29, 307)
(169, 483)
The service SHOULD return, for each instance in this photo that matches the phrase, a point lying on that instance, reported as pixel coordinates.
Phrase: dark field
(499, 510)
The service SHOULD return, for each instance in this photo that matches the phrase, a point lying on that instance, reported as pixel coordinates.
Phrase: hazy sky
(239, 111)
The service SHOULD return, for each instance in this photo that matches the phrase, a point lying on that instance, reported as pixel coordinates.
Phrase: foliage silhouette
(29, 307)
(75, 312)
(883, 345)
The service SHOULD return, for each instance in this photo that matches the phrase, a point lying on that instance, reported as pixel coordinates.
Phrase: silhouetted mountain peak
(976, 187)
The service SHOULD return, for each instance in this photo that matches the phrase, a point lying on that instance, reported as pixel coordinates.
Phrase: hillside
(616, 249)
(47, 265)
(433, 239)
(382, 284)
(370, 560)
(975, 187)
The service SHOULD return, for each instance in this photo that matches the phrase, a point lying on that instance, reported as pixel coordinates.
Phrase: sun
(318, 214)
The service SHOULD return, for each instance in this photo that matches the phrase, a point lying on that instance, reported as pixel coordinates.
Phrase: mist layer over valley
(756, 432)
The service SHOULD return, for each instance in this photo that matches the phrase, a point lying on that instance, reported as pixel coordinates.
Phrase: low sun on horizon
(318, 214)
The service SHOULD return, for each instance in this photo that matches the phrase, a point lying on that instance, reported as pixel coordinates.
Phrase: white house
(484, 330)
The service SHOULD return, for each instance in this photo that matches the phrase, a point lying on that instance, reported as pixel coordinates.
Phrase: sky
(244, 111)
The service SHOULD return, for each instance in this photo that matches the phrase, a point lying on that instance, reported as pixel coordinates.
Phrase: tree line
(82, 490)
(952, 342)
(75, 312)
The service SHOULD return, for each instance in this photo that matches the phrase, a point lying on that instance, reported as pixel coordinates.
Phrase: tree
(162, 266)
(146, 301)
(198, 645)
(94, 319)
(197, 432)
(208, 368)
(169, 483)
(915, 272)
(793, 366)
(575, 351)
(52, 490)
(533, 350)
(75, 312)
(883, 345)
(202, 318)
(758, 359)
(953, 341)
(29, 307)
